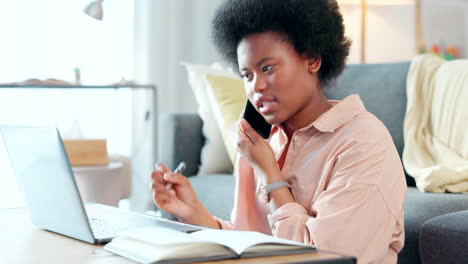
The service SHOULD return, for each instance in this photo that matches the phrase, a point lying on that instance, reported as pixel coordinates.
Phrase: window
(49, 39)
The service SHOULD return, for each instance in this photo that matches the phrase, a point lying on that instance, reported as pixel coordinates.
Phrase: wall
(385, 39)
(391, 30)
(446, 22)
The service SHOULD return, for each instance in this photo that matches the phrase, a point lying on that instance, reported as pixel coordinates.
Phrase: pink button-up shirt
(348, 183)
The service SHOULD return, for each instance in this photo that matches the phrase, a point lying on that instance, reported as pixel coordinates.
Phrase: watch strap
(267, 189)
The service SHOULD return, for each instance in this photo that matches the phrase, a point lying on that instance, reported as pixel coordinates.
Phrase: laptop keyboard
(103, 229)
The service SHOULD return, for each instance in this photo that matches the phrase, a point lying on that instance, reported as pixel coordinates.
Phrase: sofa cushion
(388, 104)
(382, 88)
(216, 192)
(420, 207)
(444, 239)
(213, 156)
(180, 139)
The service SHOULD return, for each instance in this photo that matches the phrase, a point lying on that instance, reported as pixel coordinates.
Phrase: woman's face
(278, 81)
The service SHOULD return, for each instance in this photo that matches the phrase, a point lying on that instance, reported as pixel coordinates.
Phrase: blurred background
(143, 42)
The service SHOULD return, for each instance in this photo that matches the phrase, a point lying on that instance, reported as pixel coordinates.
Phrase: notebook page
(145, 252)
(160, 236)
(239, 241)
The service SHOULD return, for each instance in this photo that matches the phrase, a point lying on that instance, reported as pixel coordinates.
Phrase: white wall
(391, 30)
(446, 22)
(10, 194)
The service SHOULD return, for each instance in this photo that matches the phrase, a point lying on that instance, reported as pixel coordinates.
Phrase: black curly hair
(314, 27)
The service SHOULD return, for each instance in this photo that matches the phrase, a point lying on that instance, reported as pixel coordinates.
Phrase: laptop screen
(46, 180)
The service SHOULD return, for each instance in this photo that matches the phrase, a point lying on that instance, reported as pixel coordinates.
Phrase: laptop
(46, 179)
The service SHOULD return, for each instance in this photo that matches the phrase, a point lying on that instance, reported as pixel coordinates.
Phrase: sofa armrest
(180, 139)
(444, 238)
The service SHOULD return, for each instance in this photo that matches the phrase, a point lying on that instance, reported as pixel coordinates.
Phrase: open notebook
(163, 245)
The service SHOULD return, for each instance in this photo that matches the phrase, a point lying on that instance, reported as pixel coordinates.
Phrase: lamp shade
(94, 9)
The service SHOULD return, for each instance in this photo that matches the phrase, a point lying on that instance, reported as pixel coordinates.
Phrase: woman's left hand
(256, 150)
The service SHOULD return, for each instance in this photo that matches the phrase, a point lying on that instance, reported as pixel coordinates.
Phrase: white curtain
(166, 33)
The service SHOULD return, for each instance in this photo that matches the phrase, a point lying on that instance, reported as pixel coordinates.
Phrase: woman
(329, 174)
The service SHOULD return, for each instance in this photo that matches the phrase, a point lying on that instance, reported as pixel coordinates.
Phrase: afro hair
(313, 27)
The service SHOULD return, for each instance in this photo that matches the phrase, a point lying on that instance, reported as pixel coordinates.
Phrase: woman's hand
(173, 193)
(256, 150)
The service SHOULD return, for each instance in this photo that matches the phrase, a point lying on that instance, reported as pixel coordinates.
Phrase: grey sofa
(436, 225)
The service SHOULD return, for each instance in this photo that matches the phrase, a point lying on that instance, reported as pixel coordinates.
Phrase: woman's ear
(314, 64)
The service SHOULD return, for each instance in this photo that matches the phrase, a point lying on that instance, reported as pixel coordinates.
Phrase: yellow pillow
(228, 98)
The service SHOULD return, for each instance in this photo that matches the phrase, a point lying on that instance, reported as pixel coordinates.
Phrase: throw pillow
(214, 158)
(228, 99)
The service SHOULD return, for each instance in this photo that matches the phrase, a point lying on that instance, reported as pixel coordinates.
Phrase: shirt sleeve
(351, 215)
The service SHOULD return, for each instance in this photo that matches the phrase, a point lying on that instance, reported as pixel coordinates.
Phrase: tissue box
(87, 152)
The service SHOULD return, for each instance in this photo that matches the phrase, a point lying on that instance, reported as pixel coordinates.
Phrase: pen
(180, 169)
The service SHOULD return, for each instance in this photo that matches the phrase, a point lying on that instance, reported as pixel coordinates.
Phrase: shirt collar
(341, 112)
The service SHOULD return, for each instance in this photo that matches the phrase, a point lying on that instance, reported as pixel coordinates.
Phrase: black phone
(256, 120)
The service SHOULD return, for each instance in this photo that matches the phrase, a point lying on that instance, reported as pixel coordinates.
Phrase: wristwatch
(267, 189)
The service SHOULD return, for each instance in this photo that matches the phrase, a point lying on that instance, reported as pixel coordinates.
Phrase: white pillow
(214, 157)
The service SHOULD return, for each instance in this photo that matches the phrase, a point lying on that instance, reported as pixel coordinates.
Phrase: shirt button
(296, 138)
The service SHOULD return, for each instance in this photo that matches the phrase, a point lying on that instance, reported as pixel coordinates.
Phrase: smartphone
(256, 120)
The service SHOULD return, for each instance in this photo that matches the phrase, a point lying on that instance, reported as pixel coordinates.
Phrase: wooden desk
(21, 242)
